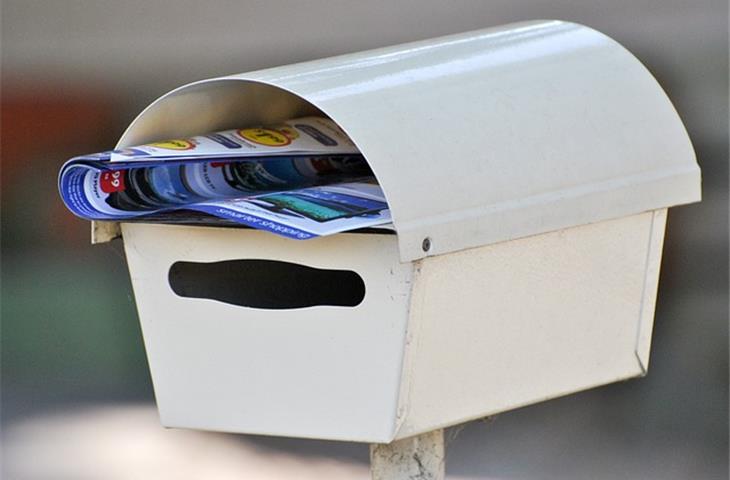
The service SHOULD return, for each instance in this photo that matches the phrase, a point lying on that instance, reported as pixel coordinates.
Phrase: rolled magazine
(300, 179)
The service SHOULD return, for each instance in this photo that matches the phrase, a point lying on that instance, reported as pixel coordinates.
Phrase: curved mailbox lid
(478, 137)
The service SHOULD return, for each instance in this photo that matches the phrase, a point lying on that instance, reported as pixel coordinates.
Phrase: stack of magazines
(301, 179)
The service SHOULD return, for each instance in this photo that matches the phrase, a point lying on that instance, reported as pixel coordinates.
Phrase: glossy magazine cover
(302, 178)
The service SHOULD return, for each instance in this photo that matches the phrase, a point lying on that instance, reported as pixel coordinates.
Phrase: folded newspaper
(301, 179)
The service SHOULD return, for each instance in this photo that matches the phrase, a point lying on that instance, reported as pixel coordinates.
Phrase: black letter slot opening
(268, 284)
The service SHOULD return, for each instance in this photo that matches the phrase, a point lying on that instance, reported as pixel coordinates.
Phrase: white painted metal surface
(506, 325)
(322, 372)
(540, 125)
(435, 343)
(538, 159)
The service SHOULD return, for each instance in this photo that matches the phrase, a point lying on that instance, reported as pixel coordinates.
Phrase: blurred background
(77, 402)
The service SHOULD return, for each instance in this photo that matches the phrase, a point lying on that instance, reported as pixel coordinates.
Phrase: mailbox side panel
(320, 372)
(514, 323)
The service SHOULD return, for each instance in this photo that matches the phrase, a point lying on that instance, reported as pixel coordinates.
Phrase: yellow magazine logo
(271, 136)
(177, 144)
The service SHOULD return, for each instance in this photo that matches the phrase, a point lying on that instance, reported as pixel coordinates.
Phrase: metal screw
(426, 245)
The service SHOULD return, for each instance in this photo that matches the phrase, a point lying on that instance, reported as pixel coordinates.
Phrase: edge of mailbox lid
(540, 125)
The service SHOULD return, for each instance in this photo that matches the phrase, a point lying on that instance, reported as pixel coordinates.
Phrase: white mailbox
(528, 169)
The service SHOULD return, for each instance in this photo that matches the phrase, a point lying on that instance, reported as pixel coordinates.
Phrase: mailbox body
(434, 342)
(538, 159)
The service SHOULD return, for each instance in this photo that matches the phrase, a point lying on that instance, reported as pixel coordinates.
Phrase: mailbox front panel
(319, 371)
(519, 322)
